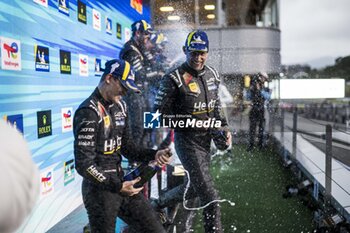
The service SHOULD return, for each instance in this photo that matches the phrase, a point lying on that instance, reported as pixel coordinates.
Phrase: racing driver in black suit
(190, 93)
(101, 138)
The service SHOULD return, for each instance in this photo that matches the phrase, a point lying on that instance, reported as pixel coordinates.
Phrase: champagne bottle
(145, 170)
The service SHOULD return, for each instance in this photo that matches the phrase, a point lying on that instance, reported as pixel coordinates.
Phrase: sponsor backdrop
(51, 55)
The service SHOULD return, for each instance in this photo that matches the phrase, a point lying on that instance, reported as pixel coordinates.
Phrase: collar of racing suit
(191, 71)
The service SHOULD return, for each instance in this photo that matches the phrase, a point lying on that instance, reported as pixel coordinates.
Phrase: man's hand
(128, 187)
(163, 157)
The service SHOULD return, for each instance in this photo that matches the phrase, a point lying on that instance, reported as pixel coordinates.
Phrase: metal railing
(332, 194)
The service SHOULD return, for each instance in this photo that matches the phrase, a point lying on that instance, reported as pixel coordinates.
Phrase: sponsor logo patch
(44, 123)
(16, 121)
(69, 172)
(137, 5)
(119, 31)
(83, 65)
(127, 34)
(42, 2)
(46, 182)
(42, 62)
(193, 87)
(10, 54)
(67, 119)
(97, 67)
(81, 12)
(96, 20)
(108, 26)
(63, 6)
(65, 62)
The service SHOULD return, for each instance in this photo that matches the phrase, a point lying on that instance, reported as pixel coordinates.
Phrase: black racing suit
(132, 53)
(155, 68)
(185, 91)
(101, 138)
(145, 75)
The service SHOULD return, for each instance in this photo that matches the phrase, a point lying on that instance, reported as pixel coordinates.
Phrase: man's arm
(136, 61)
(85, 152)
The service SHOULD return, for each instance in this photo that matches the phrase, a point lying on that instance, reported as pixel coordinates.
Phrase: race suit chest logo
(107, 121)
(157, 120)
(194, 87)
(202, 107)
(119, 119)
(112, 145)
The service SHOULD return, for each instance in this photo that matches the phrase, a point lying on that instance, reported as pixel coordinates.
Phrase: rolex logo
(44, 119)
(44, 123)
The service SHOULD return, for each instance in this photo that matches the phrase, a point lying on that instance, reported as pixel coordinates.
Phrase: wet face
(149, 45)
(142, 38)
(114, 89)
(196, 59)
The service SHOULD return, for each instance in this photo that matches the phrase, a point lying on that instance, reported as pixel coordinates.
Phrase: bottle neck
(154, 164)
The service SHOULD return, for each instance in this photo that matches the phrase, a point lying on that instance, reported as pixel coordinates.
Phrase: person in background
(101, 134)
(192, 90)
(157, 64)
(257, 94)
(133, 52)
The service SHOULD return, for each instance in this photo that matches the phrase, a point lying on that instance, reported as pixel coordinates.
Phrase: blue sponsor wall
(51, 52)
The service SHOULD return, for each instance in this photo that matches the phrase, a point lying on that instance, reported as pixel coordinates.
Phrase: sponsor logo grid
(11, 59)
(11, 48)
(31, 65)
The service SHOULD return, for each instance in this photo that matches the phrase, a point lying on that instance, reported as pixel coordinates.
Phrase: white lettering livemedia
(191, 123)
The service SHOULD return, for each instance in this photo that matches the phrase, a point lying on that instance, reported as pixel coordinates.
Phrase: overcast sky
(314, 31)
